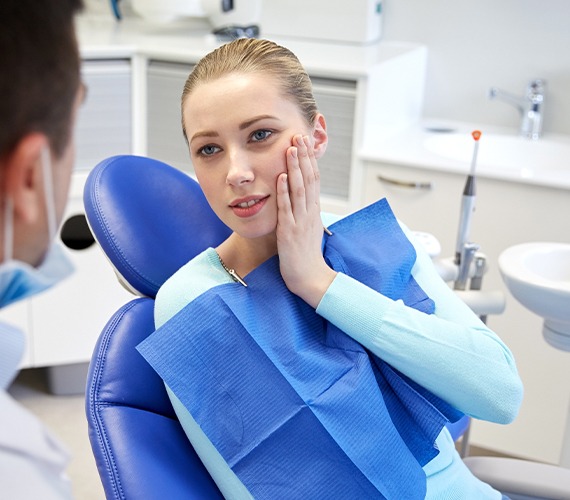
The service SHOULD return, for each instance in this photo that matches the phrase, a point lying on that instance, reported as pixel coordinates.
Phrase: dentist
(40, 91)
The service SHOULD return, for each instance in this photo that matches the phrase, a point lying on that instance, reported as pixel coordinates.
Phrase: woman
(255, 135)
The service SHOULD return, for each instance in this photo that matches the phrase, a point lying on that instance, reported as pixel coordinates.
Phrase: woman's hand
(299, 226)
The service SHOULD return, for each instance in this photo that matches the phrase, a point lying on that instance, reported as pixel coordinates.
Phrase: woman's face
(239, 128)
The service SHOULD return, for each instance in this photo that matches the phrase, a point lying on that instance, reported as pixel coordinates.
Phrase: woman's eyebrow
(205, 133)
(249, 123)
(242, 126)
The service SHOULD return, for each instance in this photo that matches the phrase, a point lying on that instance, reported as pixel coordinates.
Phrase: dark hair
(251, 55)
(39, 70)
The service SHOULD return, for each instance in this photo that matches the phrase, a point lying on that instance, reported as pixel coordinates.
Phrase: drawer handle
(406, 184)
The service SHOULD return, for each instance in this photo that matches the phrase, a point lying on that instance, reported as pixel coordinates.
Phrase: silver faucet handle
(530, 105)
(535, 90)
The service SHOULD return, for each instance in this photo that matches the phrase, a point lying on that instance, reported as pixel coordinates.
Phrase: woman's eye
(260, 135)
(208, 150)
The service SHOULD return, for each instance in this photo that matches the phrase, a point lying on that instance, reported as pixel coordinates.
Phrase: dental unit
(465, 251)
(530, 105)
(468, 266)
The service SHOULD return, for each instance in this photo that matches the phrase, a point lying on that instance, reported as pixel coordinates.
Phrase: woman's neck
(244, 255)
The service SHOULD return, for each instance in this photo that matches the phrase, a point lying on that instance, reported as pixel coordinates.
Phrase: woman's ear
(320, 136)
(22, 177)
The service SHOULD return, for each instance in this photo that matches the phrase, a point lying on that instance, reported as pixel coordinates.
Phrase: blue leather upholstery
(140, 448)
(150, 219)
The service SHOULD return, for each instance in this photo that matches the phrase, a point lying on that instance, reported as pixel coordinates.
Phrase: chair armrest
(510, 475)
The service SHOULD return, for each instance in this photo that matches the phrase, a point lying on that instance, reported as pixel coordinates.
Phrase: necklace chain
(235, 276)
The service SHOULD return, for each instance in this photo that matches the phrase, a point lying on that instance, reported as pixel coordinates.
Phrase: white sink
(503, 151)
(538, 276)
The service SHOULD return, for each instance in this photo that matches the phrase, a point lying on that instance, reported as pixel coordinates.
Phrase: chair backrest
(149, 219)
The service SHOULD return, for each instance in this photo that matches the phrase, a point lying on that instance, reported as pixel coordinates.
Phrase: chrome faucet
(531, 106)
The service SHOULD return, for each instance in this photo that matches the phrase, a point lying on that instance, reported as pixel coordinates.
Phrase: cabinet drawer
(165, 140)
(336, 99)
(104, 126)
(424, 200)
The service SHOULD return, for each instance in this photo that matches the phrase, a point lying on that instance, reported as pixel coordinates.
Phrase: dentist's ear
(23, 177)
(320, 136)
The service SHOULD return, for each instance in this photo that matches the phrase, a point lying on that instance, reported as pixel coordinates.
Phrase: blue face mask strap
(18, 279)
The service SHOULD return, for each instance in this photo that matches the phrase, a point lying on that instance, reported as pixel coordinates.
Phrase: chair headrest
(149, 218)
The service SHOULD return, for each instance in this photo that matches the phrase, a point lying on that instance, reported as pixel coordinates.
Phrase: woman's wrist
(315, 286)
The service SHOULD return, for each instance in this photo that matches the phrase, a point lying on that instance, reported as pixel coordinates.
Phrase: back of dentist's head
(39, 88)
(39, 70)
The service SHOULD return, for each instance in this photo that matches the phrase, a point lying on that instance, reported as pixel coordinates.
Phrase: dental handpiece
(467, 204)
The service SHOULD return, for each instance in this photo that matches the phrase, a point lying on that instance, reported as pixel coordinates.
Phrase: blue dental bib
(296, 407)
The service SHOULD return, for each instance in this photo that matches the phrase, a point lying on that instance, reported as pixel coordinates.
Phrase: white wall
(475, 45)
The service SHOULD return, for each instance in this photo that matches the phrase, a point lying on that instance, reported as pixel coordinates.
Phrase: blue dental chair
(140, 448)
(150, 219)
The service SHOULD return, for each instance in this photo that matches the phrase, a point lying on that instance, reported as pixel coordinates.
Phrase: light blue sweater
(451, 353)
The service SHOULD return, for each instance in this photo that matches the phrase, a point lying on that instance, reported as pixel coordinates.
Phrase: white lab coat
(32, 462)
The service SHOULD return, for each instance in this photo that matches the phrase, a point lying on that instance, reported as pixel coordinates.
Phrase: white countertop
(103, 37)
(407, 147)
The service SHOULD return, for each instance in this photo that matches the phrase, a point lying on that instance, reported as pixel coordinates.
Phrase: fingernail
(294, 152)
(300, 140)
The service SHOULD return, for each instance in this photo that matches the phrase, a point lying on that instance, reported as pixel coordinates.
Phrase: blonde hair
(251, 55)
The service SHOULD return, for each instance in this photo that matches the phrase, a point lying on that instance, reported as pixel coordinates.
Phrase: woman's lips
(249, 208)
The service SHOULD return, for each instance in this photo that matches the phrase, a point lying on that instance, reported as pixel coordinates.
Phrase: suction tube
(467, 204)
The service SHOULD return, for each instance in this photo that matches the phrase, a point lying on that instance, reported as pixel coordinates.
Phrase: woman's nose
(240, 170)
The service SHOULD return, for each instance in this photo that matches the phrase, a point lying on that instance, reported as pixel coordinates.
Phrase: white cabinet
(336, 99)
(104, 122)
(164, 138)
(507, 213)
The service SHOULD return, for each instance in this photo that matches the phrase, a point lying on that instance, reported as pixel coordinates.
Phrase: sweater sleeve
(452, 353)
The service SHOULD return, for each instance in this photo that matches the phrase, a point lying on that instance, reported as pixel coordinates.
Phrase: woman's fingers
(311, 175)
(299, 226)
(284, 204)
(303, 176)
(298, 200)
(296, 162)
